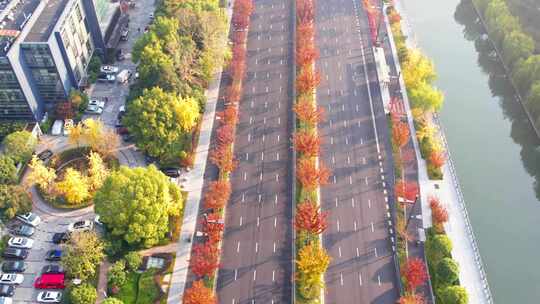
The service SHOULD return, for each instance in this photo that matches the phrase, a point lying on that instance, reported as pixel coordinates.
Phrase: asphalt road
(358, 240)
(256, 257)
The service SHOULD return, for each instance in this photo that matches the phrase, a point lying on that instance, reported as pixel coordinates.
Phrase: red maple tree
(237, 68)
(439, 214)
(199, 294)
(213, 230)
(309, 175)
(415, 273)
(217, 195)
(411, 299)
(306, 55)
(309, 218)
(241, 12)
(307, 81)
(307, 113)
(437, 158)
(305, 34)
(400, 133)
(225, 134)
(305, 11)
(229, 115)
(64, 110)
(204, 260)
(307, 143)
(239, 37)
(222, 156)
(407, 190)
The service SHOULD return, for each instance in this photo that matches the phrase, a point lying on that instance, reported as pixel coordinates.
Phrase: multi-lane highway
(356, 148)
(256, 259)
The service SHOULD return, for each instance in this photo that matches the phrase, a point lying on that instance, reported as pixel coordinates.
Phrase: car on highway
(11, 278)
(93, 109)
(13, 266)
(53, 255)
(52, 268)
(98, 103)
(20, 242)
(45, 155)
(7, 290)
(49, 297)
(22, 229)
(6, 300)
(29, 218)
(80, 226)
(108, 69)
(171, 171)
(15, 253)
(60, 237)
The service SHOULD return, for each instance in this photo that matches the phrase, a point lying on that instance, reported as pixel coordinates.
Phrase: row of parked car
(52, 275)
(110, 73)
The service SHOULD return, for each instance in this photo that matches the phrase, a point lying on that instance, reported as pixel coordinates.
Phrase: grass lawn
(139, 288)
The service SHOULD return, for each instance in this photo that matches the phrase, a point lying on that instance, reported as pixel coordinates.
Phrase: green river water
(493, 146)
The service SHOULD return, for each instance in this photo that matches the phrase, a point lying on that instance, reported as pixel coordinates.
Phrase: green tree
(117, 274)
(19, 146)
(447, 271)
(533, 100)
(83, 294)
(453, 295)
(8, 170)
(161, 122)
(135, 204)
(14, 200)
(74, 186)
(517, 45)
(425, 97)
(133, 260)
(84, 253)
(112, 301)
(438, 247)
(527, 72)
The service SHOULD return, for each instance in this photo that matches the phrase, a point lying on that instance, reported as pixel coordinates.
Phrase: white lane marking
(241, 221)
(277, 177)
(379, 278)
(249, 137)
(279, 120)
(333, 159)
(256, 247)
(361, 139)
(275, 222)
(336, 201)
(348, 159)
(339, 251)
(376, 255)
(250, 120)
(258, 221)
(330, 121)
(279, 104)
(364, 160)
(278, 138)
(372, 227)
(331, 140)
(338, 225)
(359, 123)
(238, 247)
(360, 278)
(357, 252)
(350, 180)
(247, 156)
(277, 155)
(365, 178)
(341, 278)
(251, 104)
(245, 176)
(346, 140)
(243, 197)
(335, 181)
(275, 200)
(235, 275)
(266, 104)
(352, 202)
(274, 246)
(273, 277)
(254, 274)
(356, 108)
(262, 156)
(355, 227)
(263, 138)
(261, 177)
(369, 203)
(343, 108)
(345, 123)
(260, 198)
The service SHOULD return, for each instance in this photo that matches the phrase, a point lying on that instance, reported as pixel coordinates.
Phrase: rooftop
(14, 15)
(42, 28)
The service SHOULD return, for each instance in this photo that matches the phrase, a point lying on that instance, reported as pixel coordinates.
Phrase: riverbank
(465, 250)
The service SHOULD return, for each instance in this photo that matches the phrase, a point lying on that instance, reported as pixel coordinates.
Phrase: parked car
(60, 237)
(106, 77)
(11, 278)
(50, 281)
(23, 229)
(45, 155)
(30, 218)
(108, 69)
(13, 266)
(120, 55)
(150, 159)
(53, 255)
(127, 137)
(124, 34)
(123, 76)
(93, 109)
(20, 242)
(49, 297)
(57, 127)
(68, 124)
(52, 268)
(7, 290)
(6, 300)
(98, 103)
(81, 226)
(15, 253)
(171, 172)
(97, 219)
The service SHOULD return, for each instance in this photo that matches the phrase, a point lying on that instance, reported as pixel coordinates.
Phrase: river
(494, 148)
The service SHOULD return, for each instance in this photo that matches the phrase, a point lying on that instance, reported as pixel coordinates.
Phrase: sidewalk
(465, 251)
(194, 185)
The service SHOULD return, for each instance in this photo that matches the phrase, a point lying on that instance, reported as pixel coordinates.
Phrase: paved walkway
(194, 185)
(465, 251)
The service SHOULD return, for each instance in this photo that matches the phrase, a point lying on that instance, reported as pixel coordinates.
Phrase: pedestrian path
(465, 249)
(194, 185)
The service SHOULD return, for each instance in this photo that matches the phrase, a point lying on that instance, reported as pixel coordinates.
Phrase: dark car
(55, 269)
(54, 255)
(150, 159)
(120, 129)
(61, 237)
(7, 290)
(171, 172)
(45, 155)
(24, 230)
(13, 266)
(15, 253)
(120, 55)
(127, 137)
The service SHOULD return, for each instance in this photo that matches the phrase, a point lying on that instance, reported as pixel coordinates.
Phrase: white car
(20, 242)
(49, 297)
(110, 69)
(93, 109)
(95, 102)
(80, 226)
(11, 278)
(30, 219)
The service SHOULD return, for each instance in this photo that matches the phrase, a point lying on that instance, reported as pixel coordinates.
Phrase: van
(50, 281)
(123, 76)
(57, 127)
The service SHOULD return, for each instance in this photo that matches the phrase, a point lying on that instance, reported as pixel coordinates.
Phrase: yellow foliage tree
(41, 175)
(100, 139)
(97, 171)
(417, 69)
(74, 187)
(76, 134)
(188, 110)
(312, 262)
